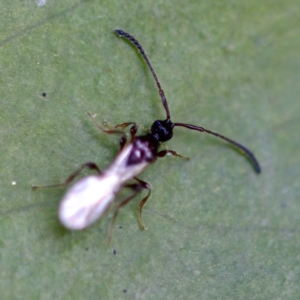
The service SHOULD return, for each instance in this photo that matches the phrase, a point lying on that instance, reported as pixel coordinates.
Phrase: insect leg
(163, 153)
(89, 165)
(137, 187)
(118, 129)
(123, 203)
(143, 185)
(123, 140)
(112, 130)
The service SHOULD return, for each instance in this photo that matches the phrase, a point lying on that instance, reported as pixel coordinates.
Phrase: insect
(89, 198)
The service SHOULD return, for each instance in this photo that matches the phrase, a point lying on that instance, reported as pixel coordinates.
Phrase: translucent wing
(87, 200)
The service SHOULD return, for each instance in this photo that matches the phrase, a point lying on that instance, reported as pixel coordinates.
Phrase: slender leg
(174, 153)
(110, 131)
(117, 129)
(137, 188)
(123, 126)
(143, 185)
(114, 129)
(89, 165)
(123, 203)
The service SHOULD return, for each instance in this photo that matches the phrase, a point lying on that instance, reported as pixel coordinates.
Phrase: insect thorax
(144, 149)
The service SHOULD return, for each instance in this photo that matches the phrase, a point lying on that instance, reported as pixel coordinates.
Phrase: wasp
(90, 197)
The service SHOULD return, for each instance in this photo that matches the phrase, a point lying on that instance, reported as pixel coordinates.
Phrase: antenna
(126, 35)
(242, 148)
(165, 127)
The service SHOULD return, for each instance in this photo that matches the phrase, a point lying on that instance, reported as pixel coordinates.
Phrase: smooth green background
(216, 230)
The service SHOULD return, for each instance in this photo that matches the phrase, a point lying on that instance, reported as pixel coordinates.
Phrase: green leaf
(215, 229)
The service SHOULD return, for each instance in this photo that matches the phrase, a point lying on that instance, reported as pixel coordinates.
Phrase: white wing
(87, 200)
